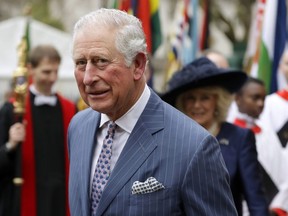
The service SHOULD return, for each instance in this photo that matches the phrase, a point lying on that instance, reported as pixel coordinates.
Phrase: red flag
(143, 13)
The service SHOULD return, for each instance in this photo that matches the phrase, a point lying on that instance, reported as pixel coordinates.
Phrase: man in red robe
(42, 154)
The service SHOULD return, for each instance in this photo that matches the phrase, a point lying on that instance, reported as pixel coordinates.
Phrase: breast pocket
(162, 202)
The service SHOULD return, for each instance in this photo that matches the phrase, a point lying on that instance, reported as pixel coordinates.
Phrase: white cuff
(9, 146)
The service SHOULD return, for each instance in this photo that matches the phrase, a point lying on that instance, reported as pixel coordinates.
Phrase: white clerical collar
(41, 99)
(248, 119)
(130, 118)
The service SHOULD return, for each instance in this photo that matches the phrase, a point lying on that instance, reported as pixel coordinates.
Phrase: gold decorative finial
(20, 78)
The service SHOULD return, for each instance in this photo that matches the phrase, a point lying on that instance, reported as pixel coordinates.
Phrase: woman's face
(200, 106)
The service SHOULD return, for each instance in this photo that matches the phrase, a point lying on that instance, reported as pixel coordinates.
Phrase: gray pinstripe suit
(164, 144)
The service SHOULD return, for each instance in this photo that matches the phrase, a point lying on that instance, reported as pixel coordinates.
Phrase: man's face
(45, 75)
(105, 83)
(251, 101)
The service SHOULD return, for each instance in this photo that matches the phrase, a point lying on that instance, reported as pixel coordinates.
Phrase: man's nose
(53, 76)
(90, 74)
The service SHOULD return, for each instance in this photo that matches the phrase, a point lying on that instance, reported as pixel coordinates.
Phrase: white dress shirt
(125, 125)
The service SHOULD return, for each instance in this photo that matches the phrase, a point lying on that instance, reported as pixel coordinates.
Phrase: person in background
(203, 91)
(43, 148)
(217, 58)
(250, 101)
(275, 114)
(130, 152)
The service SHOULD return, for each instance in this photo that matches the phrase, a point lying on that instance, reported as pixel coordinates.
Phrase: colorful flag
(125, 5)
(251, 57)
(190, 34)
(148, 12)
(272, 43)
(177, 40)
(155, 25)
(183, 37)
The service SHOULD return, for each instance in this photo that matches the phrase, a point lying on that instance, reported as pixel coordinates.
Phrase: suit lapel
(89, 131)
(137, 149)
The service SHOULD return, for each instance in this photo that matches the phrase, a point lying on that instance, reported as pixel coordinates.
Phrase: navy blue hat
(201, 73)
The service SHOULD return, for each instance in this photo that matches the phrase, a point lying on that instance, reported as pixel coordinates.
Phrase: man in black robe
(43, 151)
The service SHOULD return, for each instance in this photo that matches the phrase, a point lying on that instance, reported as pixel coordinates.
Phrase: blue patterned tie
(102, 170)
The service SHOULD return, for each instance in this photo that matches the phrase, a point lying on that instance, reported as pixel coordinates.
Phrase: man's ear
(140, 65)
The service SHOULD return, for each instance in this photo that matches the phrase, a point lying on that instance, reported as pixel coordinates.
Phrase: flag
(204, 38)
(183, 37)
(272, 43)
(125, 5)
(113, 4)
(279, 42)
(141, 9)
(190, 31)
(251, 57)
(193, 16)
(176, 38)
(148, 12)
(155, 25)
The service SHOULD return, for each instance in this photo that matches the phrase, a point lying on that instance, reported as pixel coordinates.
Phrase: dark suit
(164, 144)
(7, 163)
(240, 155)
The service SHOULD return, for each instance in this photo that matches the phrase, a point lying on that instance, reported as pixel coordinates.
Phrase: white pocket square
(149, 186)
(224, 141)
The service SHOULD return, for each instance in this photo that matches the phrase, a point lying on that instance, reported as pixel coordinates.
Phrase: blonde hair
(224, 99)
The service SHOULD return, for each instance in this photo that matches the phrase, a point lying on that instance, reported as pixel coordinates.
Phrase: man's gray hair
(130, 38)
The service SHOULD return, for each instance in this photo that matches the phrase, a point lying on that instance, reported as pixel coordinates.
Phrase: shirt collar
(36, 92)
(41, 99)
(130, 118)
(246, 117)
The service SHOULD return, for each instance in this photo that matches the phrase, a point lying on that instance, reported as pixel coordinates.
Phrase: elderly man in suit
(130, 152)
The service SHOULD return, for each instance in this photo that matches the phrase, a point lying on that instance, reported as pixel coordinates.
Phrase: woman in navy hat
(204, 92)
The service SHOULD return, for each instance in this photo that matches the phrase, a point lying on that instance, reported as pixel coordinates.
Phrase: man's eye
(100, 62)
(47, 72)
(80, 64)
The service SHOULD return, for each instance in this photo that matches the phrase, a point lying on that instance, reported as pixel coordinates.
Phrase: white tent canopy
(11, 32)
